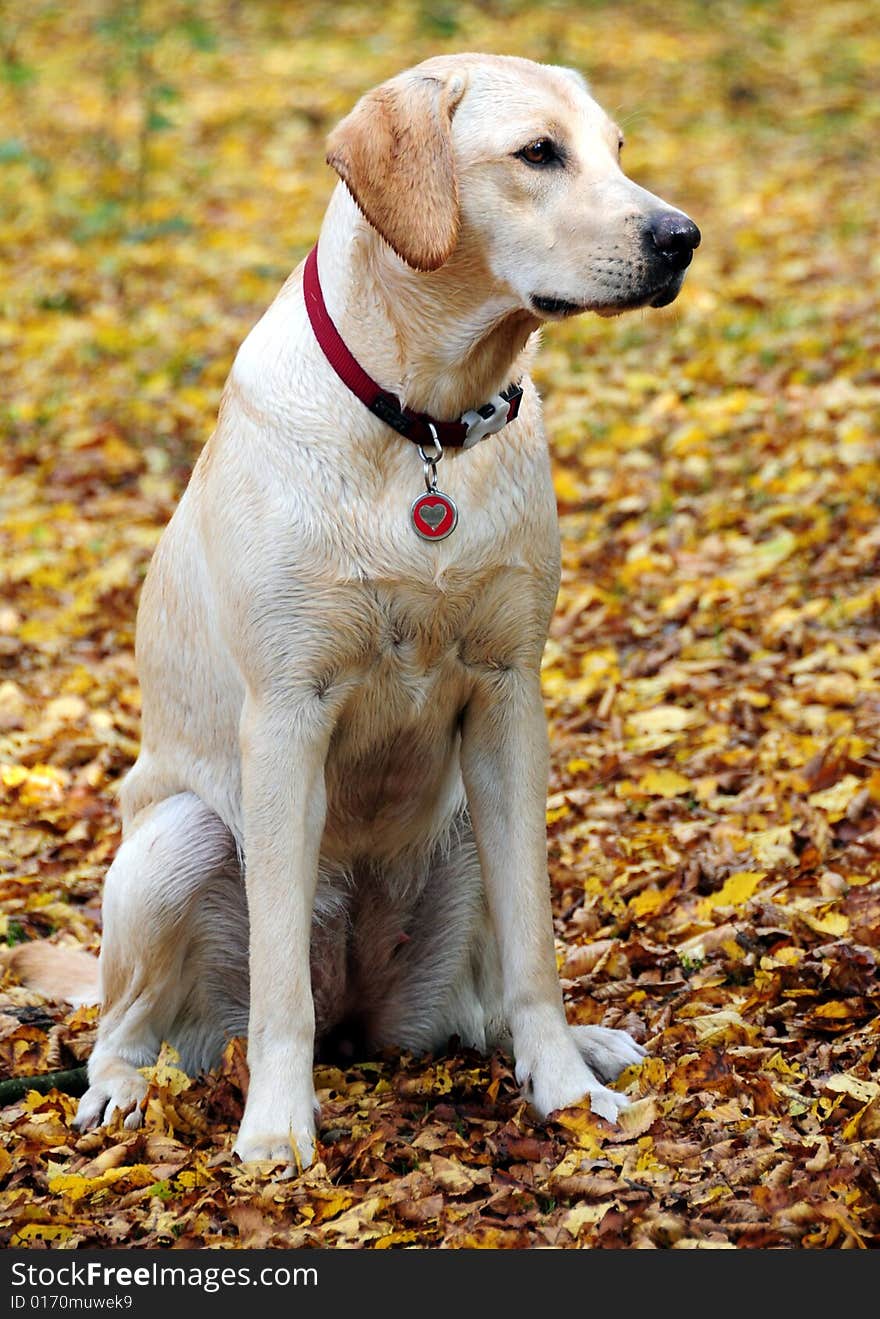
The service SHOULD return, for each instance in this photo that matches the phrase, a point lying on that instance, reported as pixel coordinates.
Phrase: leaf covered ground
(712, 672)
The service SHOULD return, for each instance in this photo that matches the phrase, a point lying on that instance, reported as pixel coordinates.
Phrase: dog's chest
(413, 669)
(393, 755)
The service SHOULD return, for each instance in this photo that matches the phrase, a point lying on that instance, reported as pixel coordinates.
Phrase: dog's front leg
(505, 769)
(283, 750)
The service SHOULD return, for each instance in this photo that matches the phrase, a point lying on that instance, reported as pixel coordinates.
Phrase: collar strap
(473, 426)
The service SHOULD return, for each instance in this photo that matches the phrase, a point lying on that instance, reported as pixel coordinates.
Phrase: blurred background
(161, 170)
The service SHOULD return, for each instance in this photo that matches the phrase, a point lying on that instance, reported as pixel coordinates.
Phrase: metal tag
(434, 515)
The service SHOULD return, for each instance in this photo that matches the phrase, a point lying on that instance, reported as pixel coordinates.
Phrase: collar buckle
(492, 416)
(487, 419)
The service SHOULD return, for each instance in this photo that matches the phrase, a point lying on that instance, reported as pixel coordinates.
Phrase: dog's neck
(443, 341)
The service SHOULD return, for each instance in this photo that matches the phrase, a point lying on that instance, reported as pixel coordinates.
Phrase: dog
(334, 833)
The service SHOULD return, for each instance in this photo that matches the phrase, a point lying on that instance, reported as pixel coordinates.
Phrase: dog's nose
(675, 236)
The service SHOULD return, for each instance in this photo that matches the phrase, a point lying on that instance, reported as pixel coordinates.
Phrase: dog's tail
(57, 972)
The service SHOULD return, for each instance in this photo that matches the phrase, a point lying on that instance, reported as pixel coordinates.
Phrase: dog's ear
(394, 153)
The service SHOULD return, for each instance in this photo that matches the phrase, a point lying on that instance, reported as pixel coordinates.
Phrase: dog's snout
(674, 236)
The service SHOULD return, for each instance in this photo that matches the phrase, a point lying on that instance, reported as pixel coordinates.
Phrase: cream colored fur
(339, 804)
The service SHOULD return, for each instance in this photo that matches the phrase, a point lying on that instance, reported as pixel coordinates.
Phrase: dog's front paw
(276, 1130)
(278, 1125)
(559, 1077)
(549, 1093)
(294, 1147)
(607, 1052)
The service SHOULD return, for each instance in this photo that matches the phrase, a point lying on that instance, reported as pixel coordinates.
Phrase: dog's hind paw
(125, 1093)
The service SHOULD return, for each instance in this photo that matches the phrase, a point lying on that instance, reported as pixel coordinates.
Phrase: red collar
(416, 426)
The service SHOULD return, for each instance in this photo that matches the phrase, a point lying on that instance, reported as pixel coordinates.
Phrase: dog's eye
(620, 142)
(541, 152)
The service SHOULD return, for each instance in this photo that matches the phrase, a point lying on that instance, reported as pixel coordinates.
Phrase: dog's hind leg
(449, 980)
(158, 892)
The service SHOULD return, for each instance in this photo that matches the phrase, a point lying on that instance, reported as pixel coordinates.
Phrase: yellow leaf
(835, 800)
(635, 1120)
(754, 698)
(189, 1178)
(834, 1011)
(75, 1187)
(663, 719)
(727, 1111)
(854, 1128)
(736, 890)
(846, 1084)
(652, 1074)
(834, 923)
(583, 1214)
(787, 956)
(41, 784)
(776, 1063)
(723, 1027)
(761, 559)
(356, 1224)
(584, 1127)
(333, 1205)
(400, 1237)
(772, 847)
(166, 1073)
(41, 1232)
(650, 900)
(567, 1166)
(664, 783)
(679, 601)
(568, 489)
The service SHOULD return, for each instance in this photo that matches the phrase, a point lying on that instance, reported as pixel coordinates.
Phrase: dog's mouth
(658, 294)
(556, 307)
(669, 291)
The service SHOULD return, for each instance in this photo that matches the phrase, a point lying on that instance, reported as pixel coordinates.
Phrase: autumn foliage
(712, 673)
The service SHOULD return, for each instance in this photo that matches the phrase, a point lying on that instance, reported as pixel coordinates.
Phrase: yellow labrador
(335, 829)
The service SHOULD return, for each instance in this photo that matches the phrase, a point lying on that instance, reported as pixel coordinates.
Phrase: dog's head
(515, 160)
